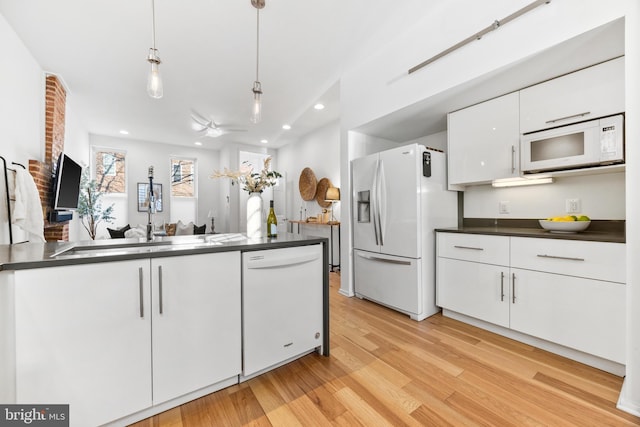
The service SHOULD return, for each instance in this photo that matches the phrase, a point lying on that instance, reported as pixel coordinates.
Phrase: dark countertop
(22, 256)
(598, 231)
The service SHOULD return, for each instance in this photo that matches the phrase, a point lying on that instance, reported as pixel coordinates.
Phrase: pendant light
(154, 81)
(256, 110)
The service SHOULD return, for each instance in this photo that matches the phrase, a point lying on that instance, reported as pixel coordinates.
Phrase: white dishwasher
(282, 305)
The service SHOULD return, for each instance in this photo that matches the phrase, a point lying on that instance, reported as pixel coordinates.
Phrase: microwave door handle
(586, 113)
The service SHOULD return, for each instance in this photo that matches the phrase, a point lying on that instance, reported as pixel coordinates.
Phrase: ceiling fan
(207, 127)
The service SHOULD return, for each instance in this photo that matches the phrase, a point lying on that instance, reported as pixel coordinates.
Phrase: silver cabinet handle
(502, 286)
(141, 287)
(513, 159)
(513, 288)
(468, 247)
(586, 113)
(160, 287)
(560, 257)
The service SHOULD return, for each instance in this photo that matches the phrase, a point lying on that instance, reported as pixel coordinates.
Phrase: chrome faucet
(151, 209)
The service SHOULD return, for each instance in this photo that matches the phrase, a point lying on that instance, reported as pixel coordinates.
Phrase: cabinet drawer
(594, 260)
(474, 247)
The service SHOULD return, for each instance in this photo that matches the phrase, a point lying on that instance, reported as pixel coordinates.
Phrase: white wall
(601, 196)
(630, 397)
(142, 154)
(22, 108)
(320, 151)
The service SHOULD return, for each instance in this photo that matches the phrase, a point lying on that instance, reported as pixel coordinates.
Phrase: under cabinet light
(515, 182)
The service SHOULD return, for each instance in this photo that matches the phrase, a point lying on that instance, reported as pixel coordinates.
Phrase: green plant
(90, 208)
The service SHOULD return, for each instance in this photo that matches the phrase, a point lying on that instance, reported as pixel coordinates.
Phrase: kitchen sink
(137, 246)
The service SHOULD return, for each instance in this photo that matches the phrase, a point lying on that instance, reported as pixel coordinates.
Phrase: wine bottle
(272, 222)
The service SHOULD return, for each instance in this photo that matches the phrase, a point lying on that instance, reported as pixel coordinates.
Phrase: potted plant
(90, 208)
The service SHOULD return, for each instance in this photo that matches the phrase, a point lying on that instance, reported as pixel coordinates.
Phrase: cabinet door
(83, 335)
(474, 289)
(196, 322)
(484, 141)
(282, 305)
(584, 314)
(583, 95)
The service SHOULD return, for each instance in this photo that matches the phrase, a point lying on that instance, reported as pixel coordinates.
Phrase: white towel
(27, 209)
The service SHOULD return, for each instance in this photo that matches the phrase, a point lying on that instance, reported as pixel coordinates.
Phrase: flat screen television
(66, 184)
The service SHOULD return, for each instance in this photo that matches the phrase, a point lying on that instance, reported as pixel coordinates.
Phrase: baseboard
(624, 404)
(570, 353)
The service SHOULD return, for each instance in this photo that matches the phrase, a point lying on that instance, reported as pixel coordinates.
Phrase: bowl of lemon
(566, 224)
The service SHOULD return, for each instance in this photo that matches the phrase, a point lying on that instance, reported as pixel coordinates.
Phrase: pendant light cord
(257, 42)
(153, 24)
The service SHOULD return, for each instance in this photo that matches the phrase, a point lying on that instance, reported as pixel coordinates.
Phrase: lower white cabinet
(111, 339)
(584, 314)
(476, 289)
(83, 338)
(570, 293)
(196, 322)
(282, 305)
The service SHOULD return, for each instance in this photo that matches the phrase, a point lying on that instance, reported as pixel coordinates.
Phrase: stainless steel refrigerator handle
(513, 159)
(160, 288)
(388, 261)
(560, 257)
(373, 198)
(513, 288)
(502, 286)
(141, 286)
(586, 113)
(379, 201)
(468, 247)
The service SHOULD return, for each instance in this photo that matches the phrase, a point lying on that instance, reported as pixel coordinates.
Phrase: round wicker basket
(321, 192)
(307, 184)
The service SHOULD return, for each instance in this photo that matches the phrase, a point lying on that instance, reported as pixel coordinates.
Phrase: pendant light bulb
(154, 80)
(256, 111)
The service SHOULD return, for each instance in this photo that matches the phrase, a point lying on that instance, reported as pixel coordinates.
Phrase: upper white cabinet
(484, 141)
(586, 94)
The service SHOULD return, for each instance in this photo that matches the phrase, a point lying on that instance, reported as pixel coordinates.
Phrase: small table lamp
(333, 196)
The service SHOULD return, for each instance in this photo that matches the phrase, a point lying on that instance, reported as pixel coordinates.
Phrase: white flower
(250, 181)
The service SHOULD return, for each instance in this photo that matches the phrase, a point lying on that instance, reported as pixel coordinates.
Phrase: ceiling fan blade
(200, 119)
(226, 129)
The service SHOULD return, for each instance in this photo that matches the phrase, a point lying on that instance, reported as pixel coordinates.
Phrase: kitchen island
(124, 329)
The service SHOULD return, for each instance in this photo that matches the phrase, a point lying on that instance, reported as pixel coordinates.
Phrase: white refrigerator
(399, 197)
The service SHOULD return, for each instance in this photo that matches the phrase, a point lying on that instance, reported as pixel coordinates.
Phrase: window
(183, 178)
(110, 171)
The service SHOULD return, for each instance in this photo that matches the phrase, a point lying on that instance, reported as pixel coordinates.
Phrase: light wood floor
(387, 370)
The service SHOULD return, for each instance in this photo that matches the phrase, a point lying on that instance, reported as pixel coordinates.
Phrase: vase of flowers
(254, 183)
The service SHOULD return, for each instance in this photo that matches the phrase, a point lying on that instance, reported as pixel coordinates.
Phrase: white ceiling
(99, 49)
(208, 52)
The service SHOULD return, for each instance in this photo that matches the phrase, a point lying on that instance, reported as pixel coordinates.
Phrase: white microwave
(587, 144)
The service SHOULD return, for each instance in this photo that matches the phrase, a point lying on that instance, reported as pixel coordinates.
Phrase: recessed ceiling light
(198, 143)
(286, 127)
(124, 132)
(264, 141)
(319, 106)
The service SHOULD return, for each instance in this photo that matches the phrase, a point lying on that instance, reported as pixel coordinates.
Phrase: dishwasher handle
(260, 261)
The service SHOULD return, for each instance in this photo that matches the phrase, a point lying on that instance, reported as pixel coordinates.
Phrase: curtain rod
(477, 36)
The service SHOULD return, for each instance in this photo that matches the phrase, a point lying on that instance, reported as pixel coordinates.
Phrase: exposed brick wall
(55, 106)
